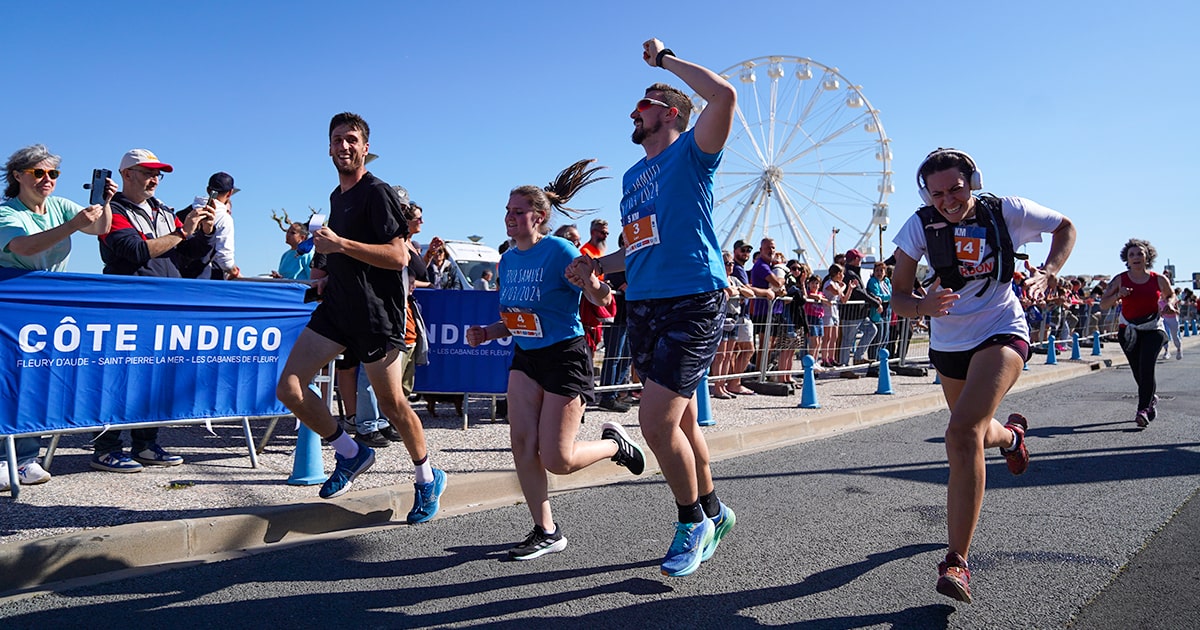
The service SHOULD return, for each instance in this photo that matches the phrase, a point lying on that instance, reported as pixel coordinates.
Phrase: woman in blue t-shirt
(551, 378)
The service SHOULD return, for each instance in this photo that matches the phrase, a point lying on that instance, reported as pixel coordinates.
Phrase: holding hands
(582, 272)
(476, 335)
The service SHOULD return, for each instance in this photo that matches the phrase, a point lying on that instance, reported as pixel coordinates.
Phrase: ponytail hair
(560, 191)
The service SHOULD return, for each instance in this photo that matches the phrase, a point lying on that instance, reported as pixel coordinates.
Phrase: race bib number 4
(641, 234)
(968, 244)
(522, 323)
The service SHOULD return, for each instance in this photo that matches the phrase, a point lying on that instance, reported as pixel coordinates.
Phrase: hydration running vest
(943, 252)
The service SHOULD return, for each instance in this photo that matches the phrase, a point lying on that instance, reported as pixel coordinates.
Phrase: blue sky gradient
(1085, 107)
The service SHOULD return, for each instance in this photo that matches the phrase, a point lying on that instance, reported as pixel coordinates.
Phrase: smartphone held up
(100, 177)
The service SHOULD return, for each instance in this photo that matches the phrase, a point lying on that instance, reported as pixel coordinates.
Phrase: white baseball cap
(143, 157)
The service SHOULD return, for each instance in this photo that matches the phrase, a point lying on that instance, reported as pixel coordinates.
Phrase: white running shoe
(32, 474)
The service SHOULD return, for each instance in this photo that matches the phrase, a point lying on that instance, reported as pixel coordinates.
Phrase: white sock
(345, 445)
(1013, 446)
(424, 472)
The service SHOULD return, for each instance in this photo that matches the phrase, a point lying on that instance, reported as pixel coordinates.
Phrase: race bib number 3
(968, 244)
(641, 234)
(522, 323)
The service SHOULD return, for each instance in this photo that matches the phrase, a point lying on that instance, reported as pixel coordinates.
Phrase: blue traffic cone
(808, 393)
(307, 467)
(1095, 343)
(885, 374)
(1074, 346)
(1051, 351)
(937, 377)
(1194, 325)
(1187, 329)
(703, 408)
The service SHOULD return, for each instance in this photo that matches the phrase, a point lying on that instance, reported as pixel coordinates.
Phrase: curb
(84, 554)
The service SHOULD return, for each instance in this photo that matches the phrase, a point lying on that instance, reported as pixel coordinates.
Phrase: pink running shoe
(1018, 458)
(954, 578)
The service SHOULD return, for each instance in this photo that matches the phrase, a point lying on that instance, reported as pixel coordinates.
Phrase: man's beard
(641, 133)
(348, 168)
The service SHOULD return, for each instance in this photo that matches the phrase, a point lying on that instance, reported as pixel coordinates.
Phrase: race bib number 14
(968, 244)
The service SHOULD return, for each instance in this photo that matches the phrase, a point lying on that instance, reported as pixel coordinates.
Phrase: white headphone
(976, 176)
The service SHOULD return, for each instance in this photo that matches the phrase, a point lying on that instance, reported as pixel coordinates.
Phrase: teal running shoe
(684, 556)
(722, 523)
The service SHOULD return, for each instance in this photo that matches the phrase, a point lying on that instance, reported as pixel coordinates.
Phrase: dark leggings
(1142, 357)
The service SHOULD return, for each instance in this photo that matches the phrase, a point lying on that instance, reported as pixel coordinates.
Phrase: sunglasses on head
(647, 103)
(39, 173)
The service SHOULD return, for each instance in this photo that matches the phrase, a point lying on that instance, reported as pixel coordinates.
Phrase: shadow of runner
(351, 595)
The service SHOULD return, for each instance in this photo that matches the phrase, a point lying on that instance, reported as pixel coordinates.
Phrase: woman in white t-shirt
(979, 339)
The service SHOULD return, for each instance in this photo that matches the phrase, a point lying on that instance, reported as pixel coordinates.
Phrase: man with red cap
(146, 239)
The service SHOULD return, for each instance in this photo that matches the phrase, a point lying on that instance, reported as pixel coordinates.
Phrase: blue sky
(1085, 107)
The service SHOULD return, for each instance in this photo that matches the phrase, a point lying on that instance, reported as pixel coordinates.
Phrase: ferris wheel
(807, 162)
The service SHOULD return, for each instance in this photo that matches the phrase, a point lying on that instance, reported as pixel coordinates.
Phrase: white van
(470, 259)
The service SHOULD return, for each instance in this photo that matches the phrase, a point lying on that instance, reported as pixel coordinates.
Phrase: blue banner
(82, 350)
(455, 367)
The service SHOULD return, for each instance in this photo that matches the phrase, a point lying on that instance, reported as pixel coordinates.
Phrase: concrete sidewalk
(86, 523)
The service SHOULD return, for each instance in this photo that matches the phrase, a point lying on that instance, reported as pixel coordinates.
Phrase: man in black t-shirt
(362, 254)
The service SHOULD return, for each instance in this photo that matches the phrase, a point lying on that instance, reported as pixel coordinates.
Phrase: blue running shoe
(722, 523)
(346, 470)
(684, 556)
(425, 501)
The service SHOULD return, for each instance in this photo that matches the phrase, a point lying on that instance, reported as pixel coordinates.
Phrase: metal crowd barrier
(907, 343)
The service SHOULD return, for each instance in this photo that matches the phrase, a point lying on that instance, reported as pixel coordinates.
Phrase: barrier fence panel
(454, 367)
(757, 349)
(86, 352)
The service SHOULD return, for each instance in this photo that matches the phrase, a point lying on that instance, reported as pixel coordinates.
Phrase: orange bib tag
(968, 244)
(522, 323)
(641, 234)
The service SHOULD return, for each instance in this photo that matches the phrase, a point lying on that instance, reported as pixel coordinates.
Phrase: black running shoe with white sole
(539, 543)
(629, 454)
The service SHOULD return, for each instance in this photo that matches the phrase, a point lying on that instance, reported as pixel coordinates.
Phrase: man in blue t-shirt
(675, 319)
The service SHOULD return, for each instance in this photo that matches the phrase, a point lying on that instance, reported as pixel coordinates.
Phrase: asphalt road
(841, 532)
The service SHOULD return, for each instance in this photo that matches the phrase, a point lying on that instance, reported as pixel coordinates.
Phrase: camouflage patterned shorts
(673, 340)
